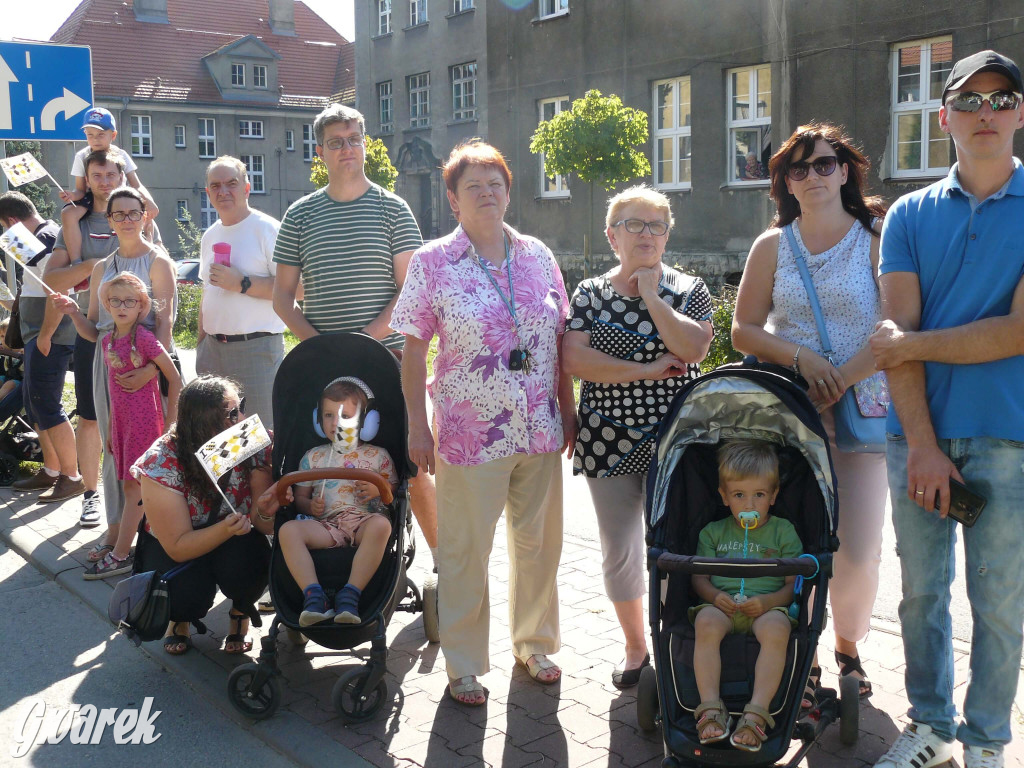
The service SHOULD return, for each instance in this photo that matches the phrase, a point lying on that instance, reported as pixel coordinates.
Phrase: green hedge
(722, 351)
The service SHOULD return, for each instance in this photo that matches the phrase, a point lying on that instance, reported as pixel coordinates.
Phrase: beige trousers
(469, 502)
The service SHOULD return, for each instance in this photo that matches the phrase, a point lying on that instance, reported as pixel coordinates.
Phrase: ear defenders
(370, 424)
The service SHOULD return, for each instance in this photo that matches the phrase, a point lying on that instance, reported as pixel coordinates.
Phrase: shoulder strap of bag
(805, 275)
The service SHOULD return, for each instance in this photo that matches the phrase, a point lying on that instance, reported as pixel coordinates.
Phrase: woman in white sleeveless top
(817, 183)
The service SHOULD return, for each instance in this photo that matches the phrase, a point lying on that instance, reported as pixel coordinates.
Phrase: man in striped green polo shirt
(350, 243)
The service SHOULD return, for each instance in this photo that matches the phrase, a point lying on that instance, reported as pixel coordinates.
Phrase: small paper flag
(346, 434)
(21, 169)
(21, 243)
(231, 447)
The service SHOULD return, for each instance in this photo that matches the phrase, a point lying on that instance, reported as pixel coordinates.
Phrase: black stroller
(255, 688)
(18, 441)
(757, 402)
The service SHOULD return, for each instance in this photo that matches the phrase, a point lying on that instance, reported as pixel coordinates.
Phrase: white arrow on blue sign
(44, 90)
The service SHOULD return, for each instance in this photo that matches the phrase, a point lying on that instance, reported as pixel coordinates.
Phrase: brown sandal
(747, 723)
(705, 718)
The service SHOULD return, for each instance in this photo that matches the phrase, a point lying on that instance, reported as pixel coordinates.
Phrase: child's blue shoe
(314, 606)
(346, 605)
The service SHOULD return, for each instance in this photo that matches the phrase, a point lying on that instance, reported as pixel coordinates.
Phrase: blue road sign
(44, 91)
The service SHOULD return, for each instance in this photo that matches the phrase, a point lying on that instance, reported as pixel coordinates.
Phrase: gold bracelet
(264, 518)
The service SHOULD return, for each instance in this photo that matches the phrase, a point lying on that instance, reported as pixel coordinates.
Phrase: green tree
(41, 194)
(599, 140)
(722, 351)
(378, 166)
(190, 237)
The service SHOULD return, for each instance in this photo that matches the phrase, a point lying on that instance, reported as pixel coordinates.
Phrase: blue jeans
(993, 468)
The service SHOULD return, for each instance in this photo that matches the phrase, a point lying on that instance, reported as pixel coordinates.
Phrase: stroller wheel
(849, 709)
(647, 699)
(352, 701)
(431, 622)
(256, 703)
(8, 469)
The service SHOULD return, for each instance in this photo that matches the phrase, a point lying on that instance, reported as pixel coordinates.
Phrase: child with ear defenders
(340, 512)
(748, 478)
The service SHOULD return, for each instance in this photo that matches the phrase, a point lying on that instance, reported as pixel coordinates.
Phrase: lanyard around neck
(510, 300)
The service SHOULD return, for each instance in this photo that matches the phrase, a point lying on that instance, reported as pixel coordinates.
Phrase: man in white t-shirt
(240, 335)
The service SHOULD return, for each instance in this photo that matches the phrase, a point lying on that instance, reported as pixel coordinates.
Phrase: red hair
(473, 152)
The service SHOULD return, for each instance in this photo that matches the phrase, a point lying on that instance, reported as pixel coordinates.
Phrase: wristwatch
(246, 283)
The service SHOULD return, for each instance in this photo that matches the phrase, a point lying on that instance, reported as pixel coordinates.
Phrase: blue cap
(98, 117)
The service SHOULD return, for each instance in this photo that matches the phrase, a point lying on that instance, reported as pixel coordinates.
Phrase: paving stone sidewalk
(583, 721)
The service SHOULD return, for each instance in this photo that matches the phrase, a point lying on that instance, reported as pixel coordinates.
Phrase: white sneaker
(90, 512)
(918, 747)
(980, 757)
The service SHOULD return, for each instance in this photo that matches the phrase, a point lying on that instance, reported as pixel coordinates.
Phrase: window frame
(467, 85)
(745, 124)
(207, 140)
(550, 9)
(674, 132)
(383, 17)
(417, 13)
(237, 75)
(260, 74)
(141, 138)
(923, 107)
(207, 213)
(289, 140)
(250, 129)
(257, 177)
(179, 206)
(461, 6)
(419, 117)
(561, 185)
(179, 144)
(308, 143)
(388, 125)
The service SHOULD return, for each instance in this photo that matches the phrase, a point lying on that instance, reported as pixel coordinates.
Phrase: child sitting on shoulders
(748, 477)
(100, 132)
(340, 512)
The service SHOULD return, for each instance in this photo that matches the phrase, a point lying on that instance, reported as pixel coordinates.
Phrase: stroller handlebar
(333, 473)
(736, 567)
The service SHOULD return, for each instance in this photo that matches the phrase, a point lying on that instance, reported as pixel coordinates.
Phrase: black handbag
(140, 606)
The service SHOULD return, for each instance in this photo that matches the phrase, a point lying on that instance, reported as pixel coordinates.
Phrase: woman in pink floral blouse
(496, 303)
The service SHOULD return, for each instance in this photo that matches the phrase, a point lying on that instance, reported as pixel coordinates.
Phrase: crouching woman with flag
(220, 527)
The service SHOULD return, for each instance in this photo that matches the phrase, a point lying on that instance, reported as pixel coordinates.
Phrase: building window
(207, 137)
(254, 165)
(250, 129)
(238, 75)
(259, 76)
(383, 17)
(308, 143)
(207, 213)
(750, 123)
(553, 8)
(672, 133)
(386, 107)
(179, 135)
(142, 136)
(417, 12)
(419, 100)
(919, 71)
(464, 91)
(289, 140)
(182, 208)
(552, 186)
(458, 6)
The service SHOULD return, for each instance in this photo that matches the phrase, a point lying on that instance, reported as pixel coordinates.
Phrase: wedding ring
(821, 382)
(919, 493)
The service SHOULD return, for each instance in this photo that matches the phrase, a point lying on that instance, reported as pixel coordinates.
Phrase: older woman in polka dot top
(635, 335)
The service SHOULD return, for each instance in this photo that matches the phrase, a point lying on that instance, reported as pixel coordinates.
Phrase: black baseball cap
(983, 61)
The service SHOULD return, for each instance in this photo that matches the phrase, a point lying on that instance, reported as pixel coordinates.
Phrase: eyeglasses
(126, 303)
(971, 101)
(120, 216)
(353, 141)
(636, 226)
(234, 413)
(823, 166)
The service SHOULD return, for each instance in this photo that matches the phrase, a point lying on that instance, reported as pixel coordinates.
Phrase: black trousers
(239, 568)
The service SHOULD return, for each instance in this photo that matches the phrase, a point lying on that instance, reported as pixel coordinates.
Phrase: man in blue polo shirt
(952, 281)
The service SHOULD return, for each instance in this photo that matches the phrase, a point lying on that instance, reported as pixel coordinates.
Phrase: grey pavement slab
(583, 721)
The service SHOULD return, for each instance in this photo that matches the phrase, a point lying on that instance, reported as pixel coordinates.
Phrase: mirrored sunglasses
(971, 101)
(823, 166)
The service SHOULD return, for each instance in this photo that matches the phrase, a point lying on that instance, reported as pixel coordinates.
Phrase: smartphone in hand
(965, 506)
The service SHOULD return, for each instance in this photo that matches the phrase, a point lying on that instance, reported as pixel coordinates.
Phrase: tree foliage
(43, 196)
(190, 237)
(599, 140)
(378, 166)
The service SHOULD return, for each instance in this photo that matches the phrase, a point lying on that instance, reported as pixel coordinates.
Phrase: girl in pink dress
(136, 418)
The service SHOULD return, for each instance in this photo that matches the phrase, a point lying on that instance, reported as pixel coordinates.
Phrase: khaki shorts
(343, 528)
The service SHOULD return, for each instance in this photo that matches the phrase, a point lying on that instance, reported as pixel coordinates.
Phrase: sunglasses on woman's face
(237, 411)
(971, 101)
(823, 166)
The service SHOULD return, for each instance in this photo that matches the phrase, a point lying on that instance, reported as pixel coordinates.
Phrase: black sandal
(811, 690)
(173, 640)
(849, 665)
(235, 622)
